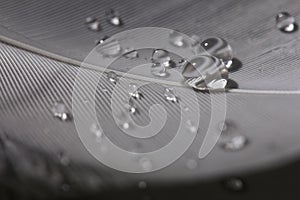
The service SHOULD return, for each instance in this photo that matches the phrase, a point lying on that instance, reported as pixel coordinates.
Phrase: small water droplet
(286, 23)
(146, 164)
(170, 95)
(64, 159)
(131, 54)
(94, 25)
(65, 187)
(113, 18)
(112, 77)
(234, 142)
(219, 48)
(134, 91)
(125, 125)
(176, 39)
(59, 110)
(90, 20)
(95, 129)
(186, 109)
(142, 185)
(191, 126)
(191, 164)
(131, 107)
(234, 184)
(100, 41)
(110, 49)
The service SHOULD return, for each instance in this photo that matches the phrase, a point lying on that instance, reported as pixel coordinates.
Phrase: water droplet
(146, 164)
(95, 129)
(64, 159)
(204, 72)
(59, 110)
(97, 42)
(186, 109)
(131, 107)
(170, 95)
(159, 70)
(125, 125)
(142, 185)
(191, 126)
(90, 20)
(94, 25)
(113, 18)
(219, 48)
(286, 23)
(176, 39)
(191, 164)
(160, 56)
(110, 49)
(131, 54)
(112, 77)
(134, 91)
(234, 184)
(234, 142)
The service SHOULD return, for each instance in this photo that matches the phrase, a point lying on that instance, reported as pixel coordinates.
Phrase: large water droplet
(113, 18)
(234, 142)
(286, 23)
(112, 77)
(170, 95)
(134, 91)
(219, 48)
(205, 72)
(59, 110)
(176, 39)
(110, 49)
